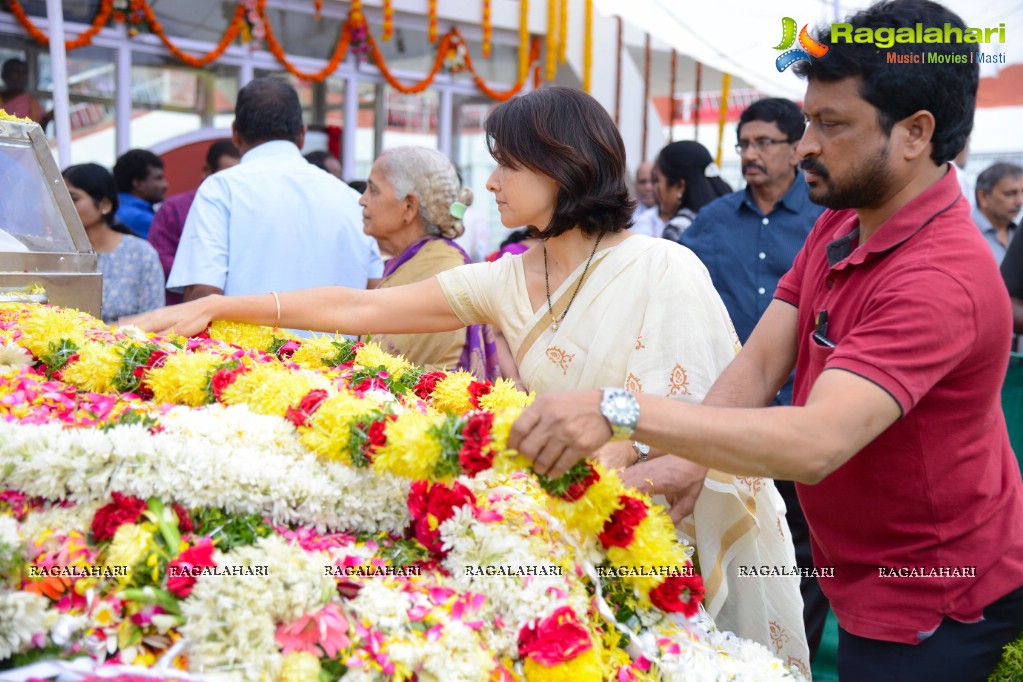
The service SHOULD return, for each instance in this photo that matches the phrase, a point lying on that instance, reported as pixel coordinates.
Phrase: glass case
(45, 254)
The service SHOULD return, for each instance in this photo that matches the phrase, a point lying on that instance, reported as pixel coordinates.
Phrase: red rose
(475, 456)
(477, 390)
(477, 430)
(432, 505)
(310, 402)
(179, 580)
(370, 384)
(184, 520)
(621, 527)
(110, 517)
(223, 378)
(377, 435)
(156, 359)
(558, 638)
(427, 383)
(475, 460)
(579, 488)
(679, 594)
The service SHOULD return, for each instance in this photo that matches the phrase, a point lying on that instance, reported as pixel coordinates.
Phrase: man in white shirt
(274, 222)
(646, 219)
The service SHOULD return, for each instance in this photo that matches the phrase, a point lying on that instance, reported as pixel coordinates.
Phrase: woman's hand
(616, 456)
(186, 319)
(679, 480)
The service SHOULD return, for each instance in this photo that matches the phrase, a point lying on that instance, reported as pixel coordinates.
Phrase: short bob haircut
(900, 90)
(568, 136)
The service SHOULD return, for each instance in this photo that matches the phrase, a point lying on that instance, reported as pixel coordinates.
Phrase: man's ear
(917, 131)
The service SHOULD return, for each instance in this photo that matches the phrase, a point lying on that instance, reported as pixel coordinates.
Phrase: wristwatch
(621, 410)
(642, 451)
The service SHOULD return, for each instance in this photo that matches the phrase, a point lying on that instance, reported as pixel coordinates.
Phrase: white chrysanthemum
(22, 615)
(456, 656)
(13, 355)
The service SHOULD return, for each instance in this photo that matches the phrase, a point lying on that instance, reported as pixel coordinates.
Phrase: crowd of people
(808, 369)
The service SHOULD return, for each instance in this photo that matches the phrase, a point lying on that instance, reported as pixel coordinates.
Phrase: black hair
(219, 150)
(898, 90)
(10, 64)
(318, 158)
(688, 160)
(784, 113)
(268, 109)
(98, 183)
(992, 175)
(358, 185)
(568, 136)
(134, 165)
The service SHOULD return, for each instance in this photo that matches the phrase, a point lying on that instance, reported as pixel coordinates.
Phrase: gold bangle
(277, 300)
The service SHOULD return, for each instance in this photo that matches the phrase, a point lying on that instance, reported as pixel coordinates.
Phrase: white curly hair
(432, 178)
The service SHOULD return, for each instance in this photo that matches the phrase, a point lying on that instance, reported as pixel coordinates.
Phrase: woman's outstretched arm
(415, 308)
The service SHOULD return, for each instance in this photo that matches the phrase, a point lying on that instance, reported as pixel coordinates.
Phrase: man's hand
(679, 480)
(559, 429)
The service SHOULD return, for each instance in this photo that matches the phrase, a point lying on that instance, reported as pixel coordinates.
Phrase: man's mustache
(814, 166)
(753, 164)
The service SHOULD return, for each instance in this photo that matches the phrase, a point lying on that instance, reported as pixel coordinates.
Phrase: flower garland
(488, 29)
(241, 27)
(551, 56)
(587, 45)
(431, 14)
(103, 12)
(196, 489)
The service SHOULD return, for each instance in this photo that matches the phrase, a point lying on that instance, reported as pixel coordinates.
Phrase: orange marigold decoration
(340, 50)
(587, 45)
(388, 10)
(523, 40)
(318, 6)
(488, 29)
(197, 62)
(552, 40)
(103, 12)
(531, 56)
(432, 14)
(562, 31)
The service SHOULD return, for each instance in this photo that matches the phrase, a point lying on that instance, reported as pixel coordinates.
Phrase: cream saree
(648, 318)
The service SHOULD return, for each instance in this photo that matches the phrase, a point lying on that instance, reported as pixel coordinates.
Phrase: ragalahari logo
(808, 47)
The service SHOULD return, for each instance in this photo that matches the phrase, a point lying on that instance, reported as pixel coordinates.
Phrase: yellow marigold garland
(269, 388)
(96, 367)
(183, 379)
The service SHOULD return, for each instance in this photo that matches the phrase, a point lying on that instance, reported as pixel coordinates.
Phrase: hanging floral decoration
(130, 12)
(388, 15)
(454, 59)
(250, 24)
(488, 29)
(431, 13)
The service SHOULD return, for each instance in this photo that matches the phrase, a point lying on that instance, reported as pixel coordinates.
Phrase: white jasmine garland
(219, 457)
(231, 620)
(22, 616)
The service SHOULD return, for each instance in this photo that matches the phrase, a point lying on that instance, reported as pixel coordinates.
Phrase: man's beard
(864, 186)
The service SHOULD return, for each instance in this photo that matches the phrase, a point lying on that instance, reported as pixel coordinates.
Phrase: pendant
(554, 325)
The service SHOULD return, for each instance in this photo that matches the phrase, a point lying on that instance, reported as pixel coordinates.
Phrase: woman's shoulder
(135, 247)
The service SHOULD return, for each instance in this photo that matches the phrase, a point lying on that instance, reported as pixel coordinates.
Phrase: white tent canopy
(739, 36)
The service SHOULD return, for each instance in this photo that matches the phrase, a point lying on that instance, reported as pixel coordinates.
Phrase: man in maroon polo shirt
(898, 326)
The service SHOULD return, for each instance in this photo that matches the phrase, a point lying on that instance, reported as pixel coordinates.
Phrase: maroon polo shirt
(919, 310)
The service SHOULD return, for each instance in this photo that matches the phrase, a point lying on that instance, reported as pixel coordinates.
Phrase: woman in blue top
(132, 275)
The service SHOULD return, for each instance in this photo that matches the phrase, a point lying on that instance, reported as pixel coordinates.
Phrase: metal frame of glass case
(58, 256)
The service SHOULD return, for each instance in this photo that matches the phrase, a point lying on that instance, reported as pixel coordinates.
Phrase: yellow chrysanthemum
(45, 325)
(503, 395)
(270, 388)
(411, 451)
(328, 430)
(4, 116)
(96, 367)
(654, 544)
(588, 514)
(241, 334)
(372, 355)
(451, 394)
(300, 666)
(310, 355)
(129, 546)
(585, 666)
(182, 379)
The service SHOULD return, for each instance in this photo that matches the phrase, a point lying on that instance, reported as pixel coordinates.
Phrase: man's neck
(911, 186)
(1000, 226)
(766, 196)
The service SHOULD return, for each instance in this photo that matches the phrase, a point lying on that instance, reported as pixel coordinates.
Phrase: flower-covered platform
(250, 507)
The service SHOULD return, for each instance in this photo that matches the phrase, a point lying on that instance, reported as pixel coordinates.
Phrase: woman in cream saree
(647, 318)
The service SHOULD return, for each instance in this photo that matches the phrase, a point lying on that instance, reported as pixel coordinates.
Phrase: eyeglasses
(760, 144)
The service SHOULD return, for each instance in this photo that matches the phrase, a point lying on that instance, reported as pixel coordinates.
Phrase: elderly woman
(413, 206)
